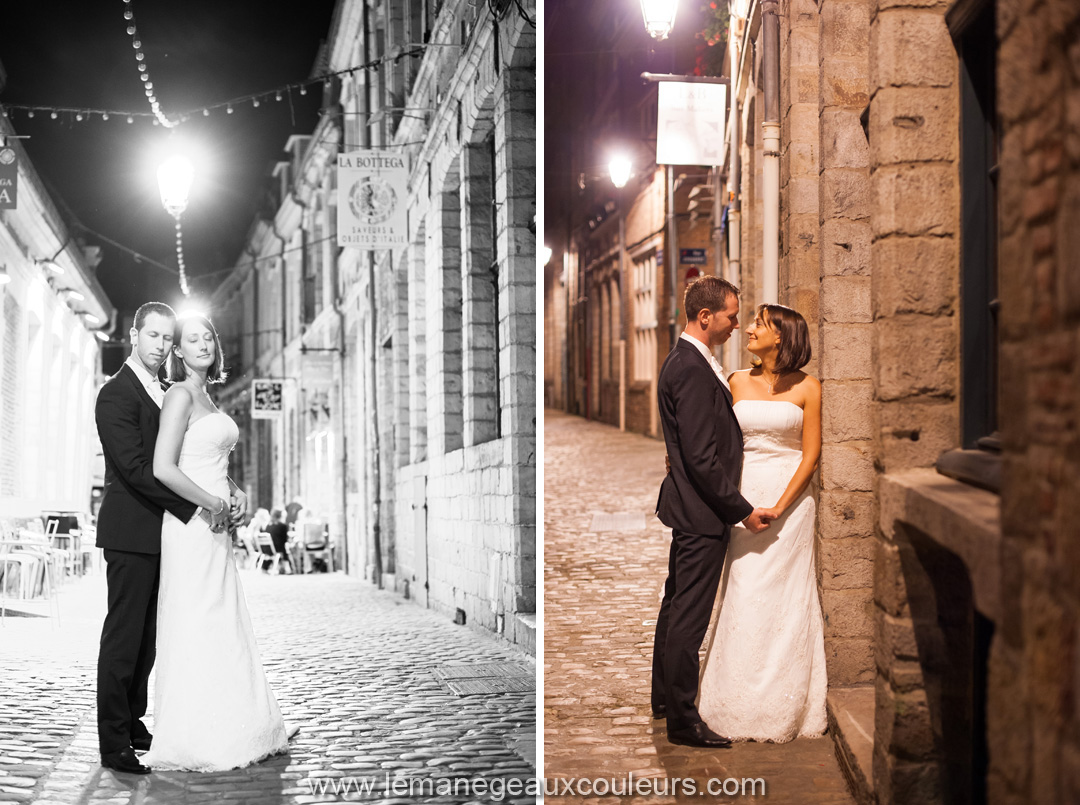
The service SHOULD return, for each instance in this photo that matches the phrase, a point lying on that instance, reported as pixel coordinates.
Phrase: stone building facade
(51, 307)
(609, 300)
(409, 374)
(928, 205)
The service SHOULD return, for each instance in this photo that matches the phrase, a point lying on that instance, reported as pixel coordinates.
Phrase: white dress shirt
(706, 353)
(153, 387)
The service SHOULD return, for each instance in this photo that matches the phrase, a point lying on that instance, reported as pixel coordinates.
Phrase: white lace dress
(763, 678)
(213, 708)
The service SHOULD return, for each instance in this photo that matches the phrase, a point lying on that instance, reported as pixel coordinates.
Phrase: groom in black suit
(129, 530)
(699, 501)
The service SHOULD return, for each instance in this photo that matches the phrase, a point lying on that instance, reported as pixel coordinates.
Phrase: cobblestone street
(360, 671)
(602, 592)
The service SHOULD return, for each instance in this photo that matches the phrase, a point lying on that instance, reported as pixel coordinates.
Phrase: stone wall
(915, 219)
(1034, 715)
(847, 510)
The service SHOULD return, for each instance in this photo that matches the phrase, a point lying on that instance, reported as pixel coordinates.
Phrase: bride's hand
(219, 517)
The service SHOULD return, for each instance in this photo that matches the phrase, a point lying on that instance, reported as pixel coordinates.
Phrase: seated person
(279, 533)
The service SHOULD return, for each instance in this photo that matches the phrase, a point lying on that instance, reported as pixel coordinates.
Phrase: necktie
(156, 394)
(716, 367)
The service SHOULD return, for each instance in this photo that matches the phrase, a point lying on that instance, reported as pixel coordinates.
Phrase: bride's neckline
(789, 402)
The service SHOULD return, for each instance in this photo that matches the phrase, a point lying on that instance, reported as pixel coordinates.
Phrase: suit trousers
(128, 640)
(695, 565)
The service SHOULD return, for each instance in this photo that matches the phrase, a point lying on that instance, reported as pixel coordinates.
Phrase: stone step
(851, 722)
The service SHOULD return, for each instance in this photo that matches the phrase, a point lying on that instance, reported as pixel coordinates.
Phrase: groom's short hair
(152, 307)
(707, 293)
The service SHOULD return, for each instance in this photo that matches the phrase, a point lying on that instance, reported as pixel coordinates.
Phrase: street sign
(690, 123)
(694, 257)
(9, 179)
(266, 399)
(373, 189)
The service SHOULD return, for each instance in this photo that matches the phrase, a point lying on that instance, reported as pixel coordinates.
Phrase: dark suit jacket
(704, 443)
(134, 501)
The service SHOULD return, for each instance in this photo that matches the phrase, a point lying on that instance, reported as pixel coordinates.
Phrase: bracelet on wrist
(220, 510)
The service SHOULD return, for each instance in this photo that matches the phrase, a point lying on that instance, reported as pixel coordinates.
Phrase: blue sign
(694, 257)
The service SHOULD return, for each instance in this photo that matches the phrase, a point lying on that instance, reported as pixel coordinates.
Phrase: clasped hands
(229, 514)
(757, 521)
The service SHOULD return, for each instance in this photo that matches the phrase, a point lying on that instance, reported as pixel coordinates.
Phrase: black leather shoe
(699, 735)
(660, 711)
(125, 761)
(142, 744)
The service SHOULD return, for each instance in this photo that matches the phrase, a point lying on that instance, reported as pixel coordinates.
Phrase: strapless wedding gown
(764, 678)
(213, 708)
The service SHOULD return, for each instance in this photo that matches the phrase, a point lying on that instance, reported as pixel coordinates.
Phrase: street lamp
(620, 168)
(175, 176)
(659, 16)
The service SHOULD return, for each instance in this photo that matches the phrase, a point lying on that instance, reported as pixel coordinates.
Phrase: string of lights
(256, 99)
(144, 73)
(184, 287)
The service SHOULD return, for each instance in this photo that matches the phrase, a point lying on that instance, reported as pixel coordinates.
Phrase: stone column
(915, 368)
(847, 514)
(479, 340)
(444, 315)
(415, 271)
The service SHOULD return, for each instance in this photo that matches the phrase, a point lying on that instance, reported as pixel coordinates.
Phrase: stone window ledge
(960, 517)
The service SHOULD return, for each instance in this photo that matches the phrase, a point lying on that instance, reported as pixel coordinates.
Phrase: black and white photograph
(268, 402)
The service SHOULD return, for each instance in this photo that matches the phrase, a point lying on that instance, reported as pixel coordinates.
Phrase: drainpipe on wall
(336, 279)
(370, 382)
(770, 135)
(732, 348)
(622, 321)
(285, 446)
(673, 256)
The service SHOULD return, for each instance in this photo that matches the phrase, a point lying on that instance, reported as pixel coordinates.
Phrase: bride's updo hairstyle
(794, 350)
(176, 369)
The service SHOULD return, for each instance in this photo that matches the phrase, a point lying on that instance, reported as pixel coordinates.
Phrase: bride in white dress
(213, 708)
(763, 678)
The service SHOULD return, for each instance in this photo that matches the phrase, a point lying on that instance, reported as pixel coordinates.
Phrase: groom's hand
(758, 520)
(238, 508)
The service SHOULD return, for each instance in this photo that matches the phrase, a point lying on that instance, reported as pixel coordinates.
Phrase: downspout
(254, 346)
(622, 320)
(770, 135)
(340, 313)
(285, 452)
(673, 257)
(733, 348)
(376, 503)
(734, 226)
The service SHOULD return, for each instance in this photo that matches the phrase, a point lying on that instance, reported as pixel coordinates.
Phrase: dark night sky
(199, 52)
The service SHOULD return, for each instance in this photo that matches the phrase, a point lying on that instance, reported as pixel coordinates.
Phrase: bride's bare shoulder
(808, 384)
(738, 377)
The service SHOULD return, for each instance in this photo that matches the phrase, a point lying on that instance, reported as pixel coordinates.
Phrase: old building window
(971, 23)
(644, 311)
